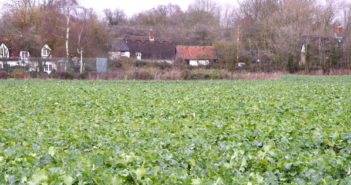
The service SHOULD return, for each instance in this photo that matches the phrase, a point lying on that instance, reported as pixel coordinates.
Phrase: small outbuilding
(197, 55)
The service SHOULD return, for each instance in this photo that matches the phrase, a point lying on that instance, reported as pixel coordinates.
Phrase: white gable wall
(4, 51)
(45, 51)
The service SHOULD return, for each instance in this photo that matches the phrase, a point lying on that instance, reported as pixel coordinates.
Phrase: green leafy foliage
(292, 131)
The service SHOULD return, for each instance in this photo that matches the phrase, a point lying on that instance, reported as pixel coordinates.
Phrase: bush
(115, 64)
(4, 75)
(140, 75)
(293, 66)
(19, 73)
(33, 74)
(40, 75)
(139, 63)
(116, 75)
(93, 75)
(203, 74)
(43, 75)
(63, 75)
(172, 74)
(83, 76)
(182, 64)
(163, 65)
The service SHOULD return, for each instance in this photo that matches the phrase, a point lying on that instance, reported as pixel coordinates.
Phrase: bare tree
(67, 7)
(115, 17)
(204, 12)
(82, 13)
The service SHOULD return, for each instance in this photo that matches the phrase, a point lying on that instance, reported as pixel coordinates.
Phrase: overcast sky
(131, 7)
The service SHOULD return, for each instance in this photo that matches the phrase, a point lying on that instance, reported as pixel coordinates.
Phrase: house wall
(118, 55)
(166, 61)
(125, 54)
(241, 64)
(54, 67)
(12, 63)
(32, 65)
(199, 62)
(158, 61)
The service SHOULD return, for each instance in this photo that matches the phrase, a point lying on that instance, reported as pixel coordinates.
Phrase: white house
(23, 58)
(120, 49)
(4, 54)
(49, 65)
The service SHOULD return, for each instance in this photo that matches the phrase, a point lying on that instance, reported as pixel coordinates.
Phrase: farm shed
(197, 55)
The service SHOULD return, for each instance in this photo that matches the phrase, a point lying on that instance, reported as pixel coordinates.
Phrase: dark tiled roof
(197, 52)
(120, 45)
(157, 49)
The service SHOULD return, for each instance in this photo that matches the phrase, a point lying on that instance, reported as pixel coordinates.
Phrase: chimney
(151, 35)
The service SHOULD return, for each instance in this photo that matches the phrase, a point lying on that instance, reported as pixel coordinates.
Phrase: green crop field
(296, 130)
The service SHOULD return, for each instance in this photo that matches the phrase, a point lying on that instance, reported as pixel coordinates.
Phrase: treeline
(69, 29)
(255, 34)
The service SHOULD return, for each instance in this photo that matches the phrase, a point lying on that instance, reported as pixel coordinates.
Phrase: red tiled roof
(197, 52)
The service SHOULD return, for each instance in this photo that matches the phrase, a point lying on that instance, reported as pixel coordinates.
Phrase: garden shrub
(19, 73)
(140, 63)
(140, 75)
(163, 65)
(115, 64)
(4, 75)
(63, 75)
(83, 76)
(203, 74)
(43, 75)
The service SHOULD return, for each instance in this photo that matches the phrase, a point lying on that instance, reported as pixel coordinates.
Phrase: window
(1, 66)
(48, 67)
(24, 55)
(4, 51)
(45, 51)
